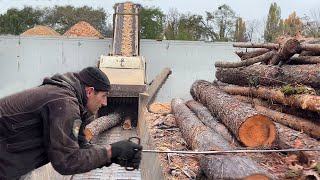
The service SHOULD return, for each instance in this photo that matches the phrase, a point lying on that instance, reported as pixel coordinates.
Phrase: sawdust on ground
(160, 108)
(166, 135)
(40, 31)
(83, 29)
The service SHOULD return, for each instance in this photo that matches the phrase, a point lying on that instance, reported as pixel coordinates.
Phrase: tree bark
(303, 101)
(305, 114)
(101, 124)
(250, 127)
(201, 137)
(271, 75)
(309, 53)
(246, 62)
(306, 59)
(290, 48)
(258, 45)
(206, 117)
(300, 124)
(304, 46)
(292, 138)
(310, 47)
(251, 54)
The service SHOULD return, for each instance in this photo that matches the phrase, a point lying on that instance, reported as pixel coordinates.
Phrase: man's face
(96, 99)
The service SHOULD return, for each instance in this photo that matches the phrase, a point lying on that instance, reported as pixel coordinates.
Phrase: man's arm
(64, 152)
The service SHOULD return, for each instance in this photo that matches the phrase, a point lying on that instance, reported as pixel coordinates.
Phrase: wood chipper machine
(124, 65)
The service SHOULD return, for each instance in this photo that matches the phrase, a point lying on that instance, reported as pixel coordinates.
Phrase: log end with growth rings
(257, 177)
(258, 131)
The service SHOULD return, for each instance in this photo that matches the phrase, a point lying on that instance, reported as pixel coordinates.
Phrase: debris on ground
(160, 108)
(166, 135)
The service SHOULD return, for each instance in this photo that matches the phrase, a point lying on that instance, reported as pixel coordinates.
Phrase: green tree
(61, 18)
(152, 23)
(190, 27)
(272, 29)
(219, 24)
(16, 21)
(181, 26)
(240, 34)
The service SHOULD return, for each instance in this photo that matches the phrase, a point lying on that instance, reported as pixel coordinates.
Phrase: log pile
(268, 100)
(292, 50)
(277, 84)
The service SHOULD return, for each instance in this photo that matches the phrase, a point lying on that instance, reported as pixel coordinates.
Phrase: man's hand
(126, 153)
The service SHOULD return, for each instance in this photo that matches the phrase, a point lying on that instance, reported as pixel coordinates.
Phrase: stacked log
(285, 49)
(201, 137)
(294, 122)
(250, 127)
(278, 80)
(276, 86)
(206, 118)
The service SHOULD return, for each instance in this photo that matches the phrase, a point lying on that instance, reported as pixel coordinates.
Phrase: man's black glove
(126, 153)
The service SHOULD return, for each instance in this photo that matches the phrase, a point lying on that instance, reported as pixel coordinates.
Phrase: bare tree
(252, 29)
(312, 24)
(172, 23)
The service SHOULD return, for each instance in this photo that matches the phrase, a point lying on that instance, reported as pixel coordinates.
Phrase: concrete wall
(25, 61)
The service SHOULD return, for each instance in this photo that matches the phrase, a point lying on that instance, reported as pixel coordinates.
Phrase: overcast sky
(248, 9)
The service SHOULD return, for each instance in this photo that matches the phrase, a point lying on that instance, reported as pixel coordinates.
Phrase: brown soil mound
(83, 29)
(40, 31)
(160, 108)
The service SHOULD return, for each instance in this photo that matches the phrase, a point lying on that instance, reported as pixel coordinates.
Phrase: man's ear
(89, 90)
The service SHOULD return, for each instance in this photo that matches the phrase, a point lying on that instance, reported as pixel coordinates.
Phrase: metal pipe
(230, 151)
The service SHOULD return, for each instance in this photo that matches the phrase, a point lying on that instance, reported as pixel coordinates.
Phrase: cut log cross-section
(294, 122)
(101, 124)
(206, 117)
(250, 127)
(201, 137)
(308, 75)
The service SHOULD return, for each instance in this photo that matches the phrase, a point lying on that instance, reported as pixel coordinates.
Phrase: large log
(290, 48)
(310, 47)
(271, 75)
(258, 45)
(297, 139)
(206, 117)
(101, 124)
(247, 62)
(303, 101)
(304, 46)
(251, 54)
(306, 59)
(201, 137)
(250, 127)
(300, 124)
(309, 127)
(305, 114)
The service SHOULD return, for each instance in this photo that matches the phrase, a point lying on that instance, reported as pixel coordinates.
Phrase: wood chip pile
(83, 29)
(40, 31)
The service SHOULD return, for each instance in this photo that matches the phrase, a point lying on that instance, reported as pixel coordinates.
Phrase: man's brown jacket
(42, 125)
